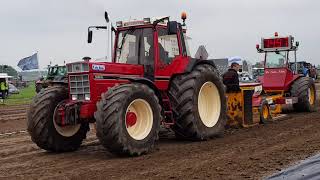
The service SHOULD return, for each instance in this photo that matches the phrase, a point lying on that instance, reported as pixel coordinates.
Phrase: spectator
(3, 90)
(7, 88)
(231, 78)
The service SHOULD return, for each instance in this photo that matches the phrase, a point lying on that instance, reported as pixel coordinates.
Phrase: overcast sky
(57, 29)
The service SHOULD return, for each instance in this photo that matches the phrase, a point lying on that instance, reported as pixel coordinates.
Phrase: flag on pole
(30, 62)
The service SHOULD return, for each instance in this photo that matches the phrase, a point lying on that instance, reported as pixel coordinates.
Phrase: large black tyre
(304, 88)
(186, 99)
(113, 129)
(42, 129)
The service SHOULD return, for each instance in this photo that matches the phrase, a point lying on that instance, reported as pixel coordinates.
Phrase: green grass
(24, 97)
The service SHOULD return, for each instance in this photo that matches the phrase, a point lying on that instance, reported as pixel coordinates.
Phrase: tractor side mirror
(172, 27)
(106, 16)
(297, 43)
(89, 36)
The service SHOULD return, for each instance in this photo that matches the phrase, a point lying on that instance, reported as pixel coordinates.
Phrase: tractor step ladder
(168, 114)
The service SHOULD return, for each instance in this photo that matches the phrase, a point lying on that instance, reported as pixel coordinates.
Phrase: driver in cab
(231, 78)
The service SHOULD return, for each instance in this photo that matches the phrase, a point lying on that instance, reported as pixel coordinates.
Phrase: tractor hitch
(286, 100)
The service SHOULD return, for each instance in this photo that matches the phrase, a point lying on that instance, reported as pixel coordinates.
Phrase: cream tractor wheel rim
(66, 131)
(142, 125)
(311, 96)
(209, 104)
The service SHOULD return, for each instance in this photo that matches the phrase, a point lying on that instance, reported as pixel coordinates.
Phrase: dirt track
(12, 118)
(242, 153)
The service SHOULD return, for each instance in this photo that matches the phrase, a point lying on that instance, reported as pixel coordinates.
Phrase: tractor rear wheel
(128, 119)
(199, 104)
(304, 88)
(42, 126)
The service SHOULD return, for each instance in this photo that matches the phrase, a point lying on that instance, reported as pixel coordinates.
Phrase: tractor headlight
(74, 97)
(87, 97)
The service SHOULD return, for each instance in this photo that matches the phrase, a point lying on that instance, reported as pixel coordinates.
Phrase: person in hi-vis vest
(3, 89)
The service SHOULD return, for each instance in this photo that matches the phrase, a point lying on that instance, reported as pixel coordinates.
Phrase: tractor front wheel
(38, 87)
(128, 119)
(42, 125)
(305, 89)
(199, 104)
(264, 110)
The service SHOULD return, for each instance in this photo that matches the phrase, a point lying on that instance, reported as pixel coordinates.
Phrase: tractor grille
(77, 67)
(79, 87)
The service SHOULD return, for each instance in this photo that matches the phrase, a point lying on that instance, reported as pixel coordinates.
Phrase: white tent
(4, 75)
(236, 59)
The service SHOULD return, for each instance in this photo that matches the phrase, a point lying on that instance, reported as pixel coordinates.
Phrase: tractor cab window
(276, 59)
(62, 71)
(52, 71)
(168, 46)
(133, 46)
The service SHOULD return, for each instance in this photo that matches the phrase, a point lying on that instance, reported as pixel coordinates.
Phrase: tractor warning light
(183, 16)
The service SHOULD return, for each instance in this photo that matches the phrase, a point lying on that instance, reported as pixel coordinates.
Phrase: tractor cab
(57, 72)
(57, 75)
(154, 43)
(150, 49)
(280, 53)
(281, 80)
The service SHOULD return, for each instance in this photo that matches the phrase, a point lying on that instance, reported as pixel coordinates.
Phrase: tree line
(9, 70)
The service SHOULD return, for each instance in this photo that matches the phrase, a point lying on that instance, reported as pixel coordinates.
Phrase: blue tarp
(308, 169)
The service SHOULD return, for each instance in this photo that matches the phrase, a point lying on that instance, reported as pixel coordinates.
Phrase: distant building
(222, 64)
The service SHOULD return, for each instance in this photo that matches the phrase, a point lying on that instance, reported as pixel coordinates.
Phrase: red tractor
(280, 81)
(151, 81)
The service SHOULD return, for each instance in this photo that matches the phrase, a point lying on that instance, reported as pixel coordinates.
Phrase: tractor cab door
(170, 57)
(134, 47)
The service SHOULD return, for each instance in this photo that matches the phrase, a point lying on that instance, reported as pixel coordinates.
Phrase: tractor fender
(147, 82)
(195, 62)
(39, 82)
(295, 78)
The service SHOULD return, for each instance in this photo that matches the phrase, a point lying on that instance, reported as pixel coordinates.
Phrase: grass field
(24, 97)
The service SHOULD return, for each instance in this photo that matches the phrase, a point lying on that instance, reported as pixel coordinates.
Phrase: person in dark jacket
(231, 78)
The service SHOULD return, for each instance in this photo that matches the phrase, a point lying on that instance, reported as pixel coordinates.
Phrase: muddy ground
(250, 153)
(12, 118)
